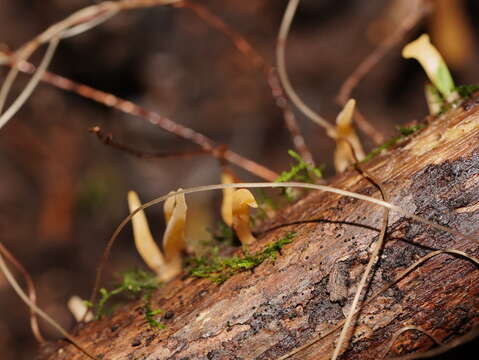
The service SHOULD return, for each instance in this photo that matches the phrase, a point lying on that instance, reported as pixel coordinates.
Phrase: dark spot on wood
(470, 103)
(136, 341)
(201, 293)
(168, 315)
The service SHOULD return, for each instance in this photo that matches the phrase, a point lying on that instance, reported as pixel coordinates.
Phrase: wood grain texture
(278, 307)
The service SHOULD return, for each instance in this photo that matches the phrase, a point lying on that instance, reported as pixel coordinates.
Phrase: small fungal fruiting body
(243, 199)
(166, 264)
(227, 203)
(235, 209)
(346, 138)
(433, 64)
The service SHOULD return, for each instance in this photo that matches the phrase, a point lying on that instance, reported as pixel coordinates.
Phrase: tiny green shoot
(150, 314)
(134, 283)
(301, 172)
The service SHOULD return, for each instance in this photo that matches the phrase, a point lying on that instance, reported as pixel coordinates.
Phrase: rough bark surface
(279, 307)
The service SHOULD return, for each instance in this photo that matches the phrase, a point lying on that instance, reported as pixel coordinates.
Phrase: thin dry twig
(107, 139)
(403, 330)
(29, 88)
(245, 47)
(32, 294)
(33, 307)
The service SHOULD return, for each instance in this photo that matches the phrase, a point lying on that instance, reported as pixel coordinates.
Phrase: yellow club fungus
(346, 138)
(166, 264)
(433, 64)
(242, 200)
(227, 204)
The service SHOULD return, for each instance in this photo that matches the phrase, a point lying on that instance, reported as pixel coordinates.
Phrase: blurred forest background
(62, 192)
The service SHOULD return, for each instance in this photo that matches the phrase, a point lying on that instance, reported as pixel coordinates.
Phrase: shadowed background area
(62, 192)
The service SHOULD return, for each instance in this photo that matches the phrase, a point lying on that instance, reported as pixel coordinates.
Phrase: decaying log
(277, 308)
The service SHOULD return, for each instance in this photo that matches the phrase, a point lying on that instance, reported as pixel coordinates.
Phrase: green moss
(218, 269)
(301, 172)
(404, 132)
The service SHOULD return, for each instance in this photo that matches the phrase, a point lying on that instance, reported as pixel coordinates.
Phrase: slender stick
(107, 139)
(32, 84)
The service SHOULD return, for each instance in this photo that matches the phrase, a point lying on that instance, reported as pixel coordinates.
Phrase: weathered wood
(279, 307)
